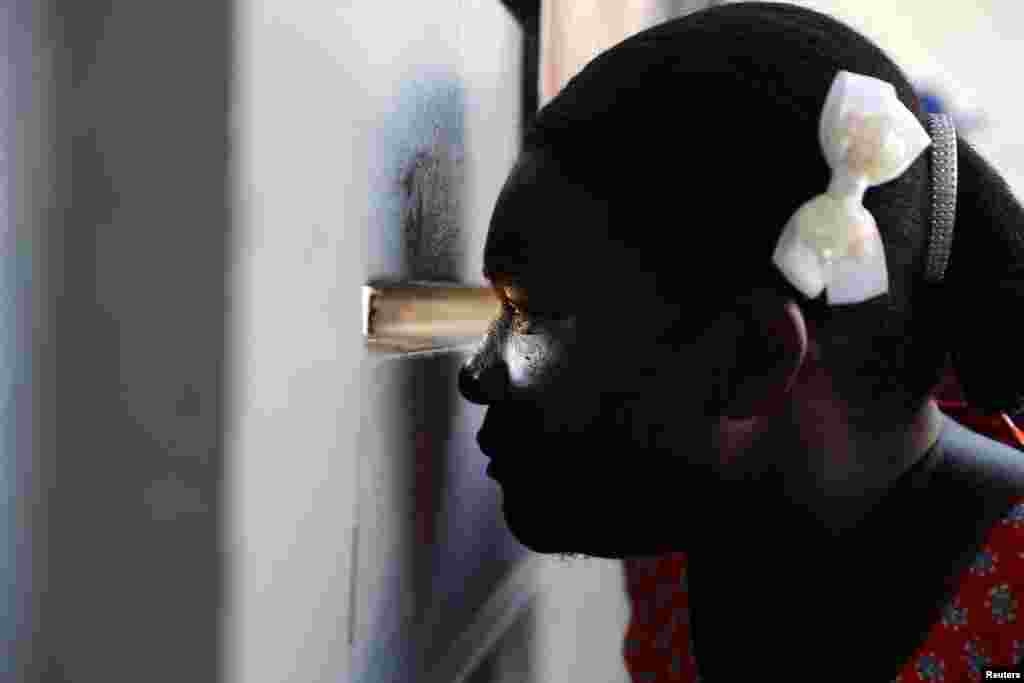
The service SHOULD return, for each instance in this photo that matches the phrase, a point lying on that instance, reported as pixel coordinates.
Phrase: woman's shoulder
(976, 516)
(989, 466)
(970, 484)
(997, 426)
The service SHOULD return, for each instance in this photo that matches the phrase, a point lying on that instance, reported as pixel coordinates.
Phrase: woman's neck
(829, 458)
(846, 470)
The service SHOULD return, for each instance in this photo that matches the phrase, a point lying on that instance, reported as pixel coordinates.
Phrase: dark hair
(700, 134)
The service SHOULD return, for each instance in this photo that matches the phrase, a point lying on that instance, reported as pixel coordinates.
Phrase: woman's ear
(770, 352)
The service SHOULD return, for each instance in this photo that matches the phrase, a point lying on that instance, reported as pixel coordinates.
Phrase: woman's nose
(483, 383)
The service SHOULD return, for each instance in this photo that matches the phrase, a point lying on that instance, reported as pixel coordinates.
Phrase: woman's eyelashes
(525, 322)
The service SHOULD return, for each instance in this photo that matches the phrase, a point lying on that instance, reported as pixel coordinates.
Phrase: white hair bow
(868, 138)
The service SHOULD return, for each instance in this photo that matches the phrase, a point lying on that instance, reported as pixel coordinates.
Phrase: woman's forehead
(541, 224)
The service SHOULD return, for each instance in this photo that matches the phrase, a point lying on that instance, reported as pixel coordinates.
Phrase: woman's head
(647, 202)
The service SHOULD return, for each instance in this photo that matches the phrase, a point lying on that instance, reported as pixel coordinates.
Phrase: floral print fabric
(982, 627)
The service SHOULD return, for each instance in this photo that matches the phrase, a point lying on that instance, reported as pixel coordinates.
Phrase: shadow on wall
(419, 183)
(431, 546)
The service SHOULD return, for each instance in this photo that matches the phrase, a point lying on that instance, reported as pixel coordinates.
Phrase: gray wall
(20, 156)
(129, 457)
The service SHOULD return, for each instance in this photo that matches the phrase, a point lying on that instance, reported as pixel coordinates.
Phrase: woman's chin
(551, 524)
(529, 525)
(534, 524)
(548, 531)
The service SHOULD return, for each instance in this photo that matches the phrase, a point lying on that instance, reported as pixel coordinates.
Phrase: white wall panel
(372, 141)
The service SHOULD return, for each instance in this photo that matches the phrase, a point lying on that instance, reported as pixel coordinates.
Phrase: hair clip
(943, 157)
(831, 243)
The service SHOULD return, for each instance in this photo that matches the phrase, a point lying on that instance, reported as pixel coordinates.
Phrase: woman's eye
(547, 316)
(520, 321)
(523, 321)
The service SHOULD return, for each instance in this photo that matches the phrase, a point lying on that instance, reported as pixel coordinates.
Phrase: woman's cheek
(534, 360)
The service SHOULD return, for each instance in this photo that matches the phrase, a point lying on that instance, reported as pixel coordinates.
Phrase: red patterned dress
(980, 628)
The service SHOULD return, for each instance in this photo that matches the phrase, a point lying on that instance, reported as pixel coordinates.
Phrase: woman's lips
(492, 443)
(487, 448)
(485, 444)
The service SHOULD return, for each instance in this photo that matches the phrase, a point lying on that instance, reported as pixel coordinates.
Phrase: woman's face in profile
(590, 416)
